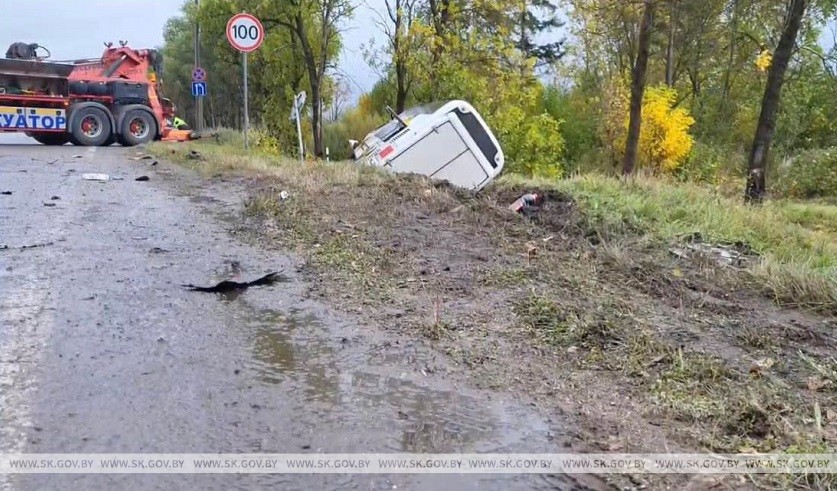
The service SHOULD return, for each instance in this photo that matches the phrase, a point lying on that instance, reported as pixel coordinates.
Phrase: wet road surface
(102, 350)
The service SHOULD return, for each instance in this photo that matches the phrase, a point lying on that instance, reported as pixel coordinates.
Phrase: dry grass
(586, 288)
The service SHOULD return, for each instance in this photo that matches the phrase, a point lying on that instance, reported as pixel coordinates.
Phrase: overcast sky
(78, 28)
(73, 29)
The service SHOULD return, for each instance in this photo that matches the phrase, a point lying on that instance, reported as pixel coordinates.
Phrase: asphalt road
(103, 351)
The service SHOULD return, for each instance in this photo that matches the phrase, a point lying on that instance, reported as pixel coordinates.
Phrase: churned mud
(102, 348)
(644, 346)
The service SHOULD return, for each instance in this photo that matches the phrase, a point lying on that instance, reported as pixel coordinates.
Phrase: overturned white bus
(443, 140)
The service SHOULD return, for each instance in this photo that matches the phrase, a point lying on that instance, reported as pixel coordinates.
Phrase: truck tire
(51, 138)
(138, 127)
(91, 127)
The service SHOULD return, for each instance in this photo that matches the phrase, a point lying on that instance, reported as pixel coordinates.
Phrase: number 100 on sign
(245, 32)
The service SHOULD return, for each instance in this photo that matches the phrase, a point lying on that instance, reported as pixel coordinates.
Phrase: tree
(315, 25)
(530, 24)
(396, 25)
(638, 80)
(755, 187)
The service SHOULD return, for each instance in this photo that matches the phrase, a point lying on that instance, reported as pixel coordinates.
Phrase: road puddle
(399, 409)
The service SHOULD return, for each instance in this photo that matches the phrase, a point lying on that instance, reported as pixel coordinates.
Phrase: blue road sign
(199, 89)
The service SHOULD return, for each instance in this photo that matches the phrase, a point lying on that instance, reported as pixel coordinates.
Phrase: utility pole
(198, 100)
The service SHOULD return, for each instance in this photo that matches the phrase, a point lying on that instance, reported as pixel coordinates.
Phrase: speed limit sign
(245, 32)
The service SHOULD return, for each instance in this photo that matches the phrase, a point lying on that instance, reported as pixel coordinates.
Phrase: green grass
(796, 241)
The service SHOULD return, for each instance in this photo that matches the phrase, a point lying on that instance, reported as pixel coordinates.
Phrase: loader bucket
(13, 67)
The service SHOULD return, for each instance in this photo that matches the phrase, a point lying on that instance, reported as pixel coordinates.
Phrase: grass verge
(581, 302)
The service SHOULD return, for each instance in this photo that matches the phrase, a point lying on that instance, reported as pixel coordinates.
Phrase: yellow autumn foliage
(764, 60)
(664, 141)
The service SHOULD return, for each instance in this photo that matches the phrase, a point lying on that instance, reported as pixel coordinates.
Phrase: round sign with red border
(245, 32)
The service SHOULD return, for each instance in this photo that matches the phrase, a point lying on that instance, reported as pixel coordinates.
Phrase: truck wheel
(138, 127)
(91, 127)
(51, 138)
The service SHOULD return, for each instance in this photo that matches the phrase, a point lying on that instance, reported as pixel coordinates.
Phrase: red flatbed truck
(116, 98)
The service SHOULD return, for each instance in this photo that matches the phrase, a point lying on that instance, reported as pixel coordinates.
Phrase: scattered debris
(142, 178)
(51, 162)
(532, 199)
(49, 204)
(24, 247)
(228, 286)
(194, 155)
(95, 177)
(153, 163)
(284, 195)
(723, 255)
(144, 157)
(55, 198)
(8, 193)
(78, 156)
(157, 250)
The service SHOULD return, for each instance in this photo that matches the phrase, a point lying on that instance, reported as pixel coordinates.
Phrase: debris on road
(142, 178)
(229, 286)
(55, 198)
(49, 204)
(8, 193)
(95, 177)
(4, 247)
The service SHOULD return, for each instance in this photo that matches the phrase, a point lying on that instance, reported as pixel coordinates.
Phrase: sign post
(246, 34)
(299, 101)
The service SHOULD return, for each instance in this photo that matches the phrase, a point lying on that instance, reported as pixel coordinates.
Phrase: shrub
(664, 138)
(354, 125)
(664, 141)
(812, 174)
(579, 132)
(264, 141)
(538, 147)
(711, 164)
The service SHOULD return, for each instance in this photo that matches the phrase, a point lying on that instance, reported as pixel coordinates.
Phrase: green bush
(354, 125)
(812, 174)
(538, 147)
(579, 130)
(703, 164)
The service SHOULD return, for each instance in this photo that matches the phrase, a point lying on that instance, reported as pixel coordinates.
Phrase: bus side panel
(430, 152)
(465, 171)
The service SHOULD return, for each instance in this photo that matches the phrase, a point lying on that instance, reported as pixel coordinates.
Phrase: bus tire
(91, 126)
